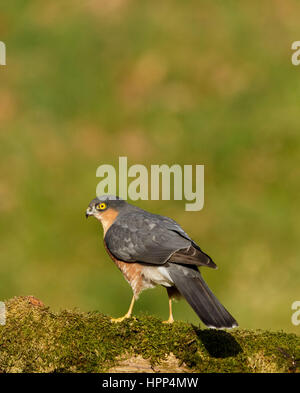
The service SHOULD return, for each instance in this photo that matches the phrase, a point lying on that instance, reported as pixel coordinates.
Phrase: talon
(121, 319)
(128, 315)
(170, 320)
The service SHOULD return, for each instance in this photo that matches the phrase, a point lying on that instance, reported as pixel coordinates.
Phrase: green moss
(35, 339)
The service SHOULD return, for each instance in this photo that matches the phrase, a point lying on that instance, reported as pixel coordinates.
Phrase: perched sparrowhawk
(151, 250)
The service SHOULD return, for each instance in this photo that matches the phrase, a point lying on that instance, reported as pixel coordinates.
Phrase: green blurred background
(194, 82)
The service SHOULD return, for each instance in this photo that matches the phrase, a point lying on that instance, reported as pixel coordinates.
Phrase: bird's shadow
(218, 343)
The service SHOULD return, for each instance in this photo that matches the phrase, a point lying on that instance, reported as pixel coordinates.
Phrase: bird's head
(105, 208)
(103, 204)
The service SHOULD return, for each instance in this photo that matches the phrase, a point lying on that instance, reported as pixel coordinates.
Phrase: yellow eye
(101, 206)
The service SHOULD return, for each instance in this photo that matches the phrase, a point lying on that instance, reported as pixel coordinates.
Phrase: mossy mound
(35, 339)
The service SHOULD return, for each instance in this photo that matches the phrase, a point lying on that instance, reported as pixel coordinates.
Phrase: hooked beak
(89, 212)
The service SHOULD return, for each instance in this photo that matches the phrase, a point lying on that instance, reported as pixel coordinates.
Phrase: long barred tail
(194, 289)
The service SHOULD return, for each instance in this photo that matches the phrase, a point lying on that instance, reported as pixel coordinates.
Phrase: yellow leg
(171, 319)
(127, 315)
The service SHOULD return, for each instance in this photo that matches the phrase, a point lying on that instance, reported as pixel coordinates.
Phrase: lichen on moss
(35, 339)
